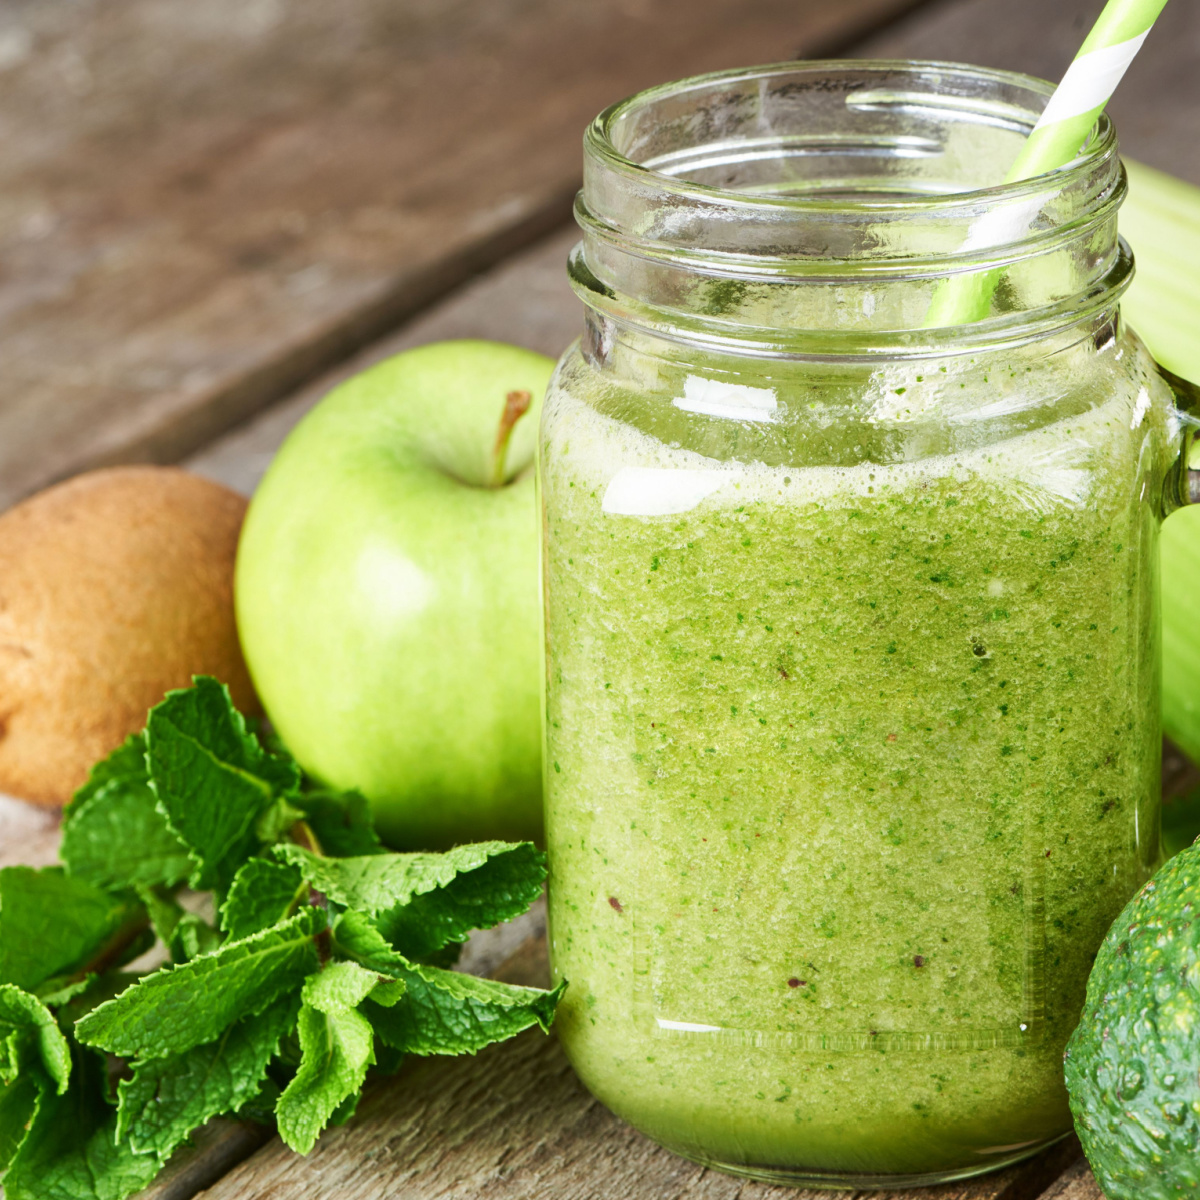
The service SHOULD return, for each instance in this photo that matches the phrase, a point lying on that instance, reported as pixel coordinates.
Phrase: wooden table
(212, 212)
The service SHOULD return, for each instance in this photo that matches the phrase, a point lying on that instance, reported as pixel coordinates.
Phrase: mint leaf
(339, 987)
(261, 1106)
(126, 763)
(387, 1060)
(113, 834)
(192, 937)
(336, 1050)
(51, 923)
(388, 992)
(212, 778)
(62, 989)
(28, 1030)
(345, 1110)
(439, 1012)
(341, 822)
(177, 1008)
(423, 901)
(205, 714)
(120, 839)
(262, 893)
(169, 1097)
(165, 912)
(276, 821)
(18, 1104)
(443, 1012)
(357, 936)
(71, 1151)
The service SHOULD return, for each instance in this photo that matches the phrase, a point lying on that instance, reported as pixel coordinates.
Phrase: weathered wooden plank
(1078, 1183)
(215, 1150)
(1157, 106)
(526, 300)
(205, 204)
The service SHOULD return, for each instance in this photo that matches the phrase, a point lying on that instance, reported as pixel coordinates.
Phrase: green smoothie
(852, 745)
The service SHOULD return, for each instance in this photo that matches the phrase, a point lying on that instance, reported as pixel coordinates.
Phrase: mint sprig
(325, 961)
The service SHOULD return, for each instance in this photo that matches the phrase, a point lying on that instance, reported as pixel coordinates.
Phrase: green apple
(387, 593)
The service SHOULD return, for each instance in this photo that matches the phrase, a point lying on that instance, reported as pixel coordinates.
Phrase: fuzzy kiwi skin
(115, 587)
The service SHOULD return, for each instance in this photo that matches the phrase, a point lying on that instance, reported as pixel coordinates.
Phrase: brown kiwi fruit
(115, 587)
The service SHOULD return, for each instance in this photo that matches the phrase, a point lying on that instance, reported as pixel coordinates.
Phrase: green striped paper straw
(1061, 131)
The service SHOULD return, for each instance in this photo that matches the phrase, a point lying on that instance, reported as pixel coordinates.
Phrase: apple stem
(516, 405)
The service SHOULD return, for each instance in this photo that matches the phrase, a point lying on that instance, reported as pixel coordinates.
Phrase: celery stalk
(1161, 221)
(1181, 630)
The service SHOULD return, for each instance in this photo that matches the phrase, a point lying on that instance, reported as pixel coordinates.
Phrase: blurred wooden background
(205, 205)
(212, 210)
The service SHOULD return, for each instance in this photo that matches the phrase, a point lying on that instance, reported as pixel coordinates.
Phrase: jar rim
(813, 207)
(1100, 146)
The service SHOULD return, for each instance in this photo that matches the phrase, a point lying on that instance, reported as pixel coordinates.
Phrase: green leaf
(388, 1060)
(388, 992)
(126, 763)
(177, 1008)
(113, 834)
(446, 957)
(341, 822)
(212, 778)
(120, 839)
(165, 913)
(261, 1106)
(205, 713)
(443, 1012)
(192, 937)
(346, 1110)
(18, 1104)
(423, 901)
(71, 1151)
(51, 923)
(103, 987)
(169, 1097)
(340, 987)
(336, 1048)
(276, 820)
(28, 1028)
(357, 936)
(62, 989)
(262, 893)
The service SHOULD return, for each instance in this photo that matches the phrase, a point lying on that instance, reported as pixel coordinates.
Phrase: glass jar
(852, 717)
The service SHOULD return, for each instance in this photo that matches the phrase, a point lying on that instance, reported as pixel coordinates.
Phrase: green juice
(852, 747)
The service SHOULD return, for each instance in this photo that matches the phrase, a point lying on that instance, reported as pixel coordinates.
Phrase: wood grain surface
(204, 204)
(526, 300)
(1077, 1183)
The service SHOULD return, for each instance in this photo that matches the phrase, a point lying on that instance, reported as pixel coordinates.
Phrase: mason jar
(850, 493)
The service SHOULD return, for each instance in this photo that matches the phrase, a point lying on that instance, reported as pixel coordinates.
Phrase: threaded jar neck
(812, 210)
